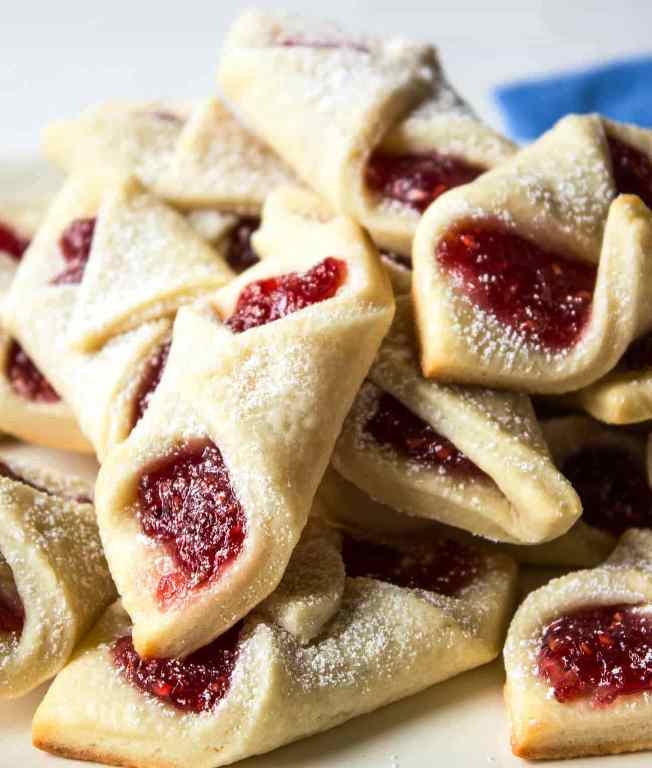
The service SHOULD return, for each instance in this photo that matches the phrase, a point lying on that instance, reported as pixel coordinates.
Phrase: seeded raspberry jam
(638, 356)
(75, 244)
(613, 487)
(598, 654)
(541, 295)
(25, 378)
(11, 242)
(12, 611)
(394, 425)
(632, 170)
(240, 254)
(445, 566)
(267, 300)
(151, 379)
(194, 684)
(187, 503)
(417, 180)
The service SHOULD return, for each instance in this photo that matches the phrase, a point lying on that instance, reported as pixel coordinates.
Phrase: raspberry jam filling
(75, 244)
(187, 503)
(417, 180)
(12, 614)
(542, 296)
(25, 378)
(150, 380)
(638, 355)
(11, 242)
(240, 254)
(267, 300)
(597, 653)
(12, 611)
(612, 486)
(632, 170)
(394, 425)
(194, 684)
(445, 567)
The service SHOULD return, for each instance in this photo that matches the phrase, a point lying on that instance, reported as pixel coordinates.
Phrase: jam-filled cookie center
(151, 378)
(12, 242)
(416, 180)
(612, 485)
(240, 254)
(25, 378)
(445, 566)
(12, 611)
(75, 246)
(542, 296)
(394, 425)
(597, 653)
(194, 684)
(273, 298)
(187, 503)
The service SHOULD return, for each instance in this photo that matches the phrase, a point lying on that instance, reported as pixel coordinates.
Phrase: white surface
(57, 57)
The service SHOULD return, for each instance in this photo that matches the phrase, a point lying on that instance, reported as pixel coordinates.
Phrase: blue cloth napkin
(621, 90)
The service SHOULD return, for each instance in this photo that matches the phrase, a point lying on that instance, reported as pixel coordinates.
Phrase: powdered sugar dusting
(217, 159)
(135, 138)
(610, 584)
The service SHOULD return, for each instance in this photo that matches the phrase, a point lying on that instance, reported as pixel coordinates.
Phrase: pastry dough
(620, 397)
(18, 223)
(43, 421)
(624, 395)
(519, 496)
(132, 138)
(44, 479)
(558, 194)
(325, 100)
(95, 339)
(542, 726)
(587, 545)
(346, 506)
(399, 269)
(310, 593)
(271, 400)
(52, 570)
(196, 156)
(384, 643)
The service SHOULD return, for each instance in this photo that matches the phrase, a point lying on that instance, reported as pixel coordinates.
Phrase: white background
(56, 56)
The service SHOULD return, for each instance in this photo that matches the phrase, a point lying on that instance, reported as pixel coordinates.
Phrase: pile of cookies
(346, 356)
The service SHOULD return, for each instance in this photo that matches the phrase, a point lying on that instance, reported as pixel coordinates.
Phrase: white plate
(457, 724)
